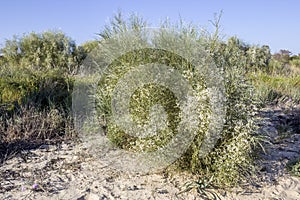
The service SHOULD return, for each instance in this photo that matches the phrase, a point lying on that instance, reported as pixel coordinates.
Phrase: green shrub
(16, 84)
(47, 50)
(230, 159)
(42, 88)
(53, 90)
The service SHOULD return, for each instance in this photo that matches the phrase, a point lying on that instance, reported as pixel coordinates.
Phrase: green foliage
(270, 88)
(16, 84)
(237, 53)
(34, 108)
(43, 89)
(118, 25)
(259, 57)
(48, 50)
(294, 167)
(231, 157)
(143, 99)
(54, 88)
(202, 186)
(89, 46)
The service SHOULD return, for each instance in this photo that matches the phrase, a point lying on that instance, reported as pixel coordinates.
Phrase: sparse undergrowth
(28, 127)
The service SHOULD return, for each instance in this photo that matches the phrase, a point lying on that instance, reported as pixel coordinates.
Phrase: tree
(47, 50)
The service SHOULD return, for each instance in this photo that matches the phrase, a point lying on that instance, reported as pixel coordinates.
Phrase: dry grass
(28, 127)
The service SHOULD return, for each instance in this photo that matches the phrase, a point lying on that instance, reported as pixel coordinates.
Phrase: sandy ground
(69, 171)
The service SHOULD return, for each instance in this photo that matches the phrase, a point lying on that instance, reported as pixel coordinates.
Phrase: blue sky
(272, 22)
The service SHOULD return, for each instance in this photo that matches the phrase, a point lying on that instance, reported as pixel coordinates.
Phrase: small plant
(294, 167)
(202, 185)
